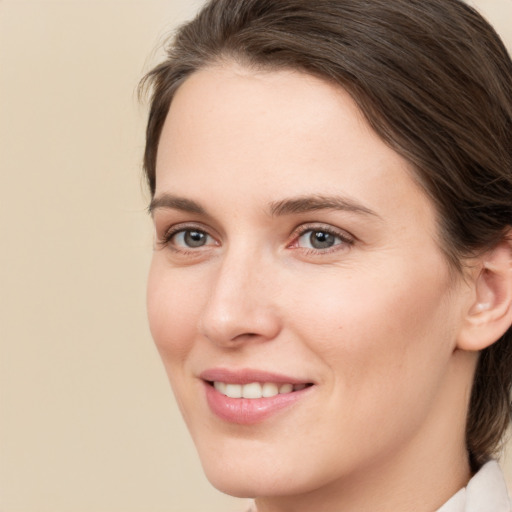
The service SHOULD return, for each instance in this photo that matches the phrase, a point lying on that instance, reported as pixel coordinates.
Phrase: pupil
(321, 240)
(195, 238)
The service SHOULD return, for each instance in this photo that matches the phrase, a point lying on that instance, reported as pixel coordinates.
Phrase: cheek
(172, 312)
(382, 329)
(386, 344)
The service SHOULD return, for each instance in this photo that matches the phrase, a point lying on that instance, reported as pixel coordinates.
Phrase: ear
(489, 314)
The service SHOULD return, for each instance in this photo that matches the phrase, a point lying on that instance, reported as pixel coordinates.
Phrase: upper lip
(248, 375)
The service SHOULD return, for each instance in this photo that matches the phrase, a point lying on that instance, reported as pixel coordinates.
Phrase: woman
(331, 286)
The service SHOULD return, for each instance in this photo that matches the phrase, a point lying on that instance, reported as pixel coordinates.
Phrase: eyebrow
(175, 203)
(304, 204)
(290, 206)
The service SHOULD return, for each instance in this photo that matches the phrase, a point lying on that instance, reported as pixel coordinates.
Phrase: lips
(250, 396)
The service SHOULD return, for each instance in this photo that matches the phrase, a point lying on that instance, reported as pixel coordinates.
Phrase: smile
(255, 390)
(248, 397)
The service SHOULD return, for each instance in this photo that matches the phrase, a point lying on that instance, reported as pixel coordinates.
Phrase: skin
(373, 321)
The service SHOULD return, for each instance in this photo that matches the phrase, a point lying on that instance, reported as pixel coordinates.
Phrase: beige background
(87, 421)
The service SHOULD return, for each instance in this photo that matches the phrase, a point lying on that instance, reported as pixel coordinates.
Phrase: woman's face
(294, 253)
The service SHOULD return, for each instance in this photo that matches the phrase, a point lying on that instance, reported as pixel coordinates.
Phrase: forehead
(222, 103)
(244, 133)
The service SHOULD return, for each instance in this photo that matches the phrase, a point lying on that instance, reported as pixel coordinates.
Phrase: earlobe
(490, 313)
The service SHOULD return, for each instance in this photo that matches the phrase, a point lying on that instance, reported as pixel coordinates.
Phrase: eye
(321, 239)
(190, 238)
(185, 239)
(318, 239)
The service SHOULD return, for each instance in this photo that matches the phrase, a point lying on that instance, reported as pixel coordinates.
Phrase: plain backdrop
(87, 420)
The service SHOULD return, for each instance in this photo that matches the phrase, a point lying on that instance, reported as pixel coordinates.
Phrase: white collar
(485, 492)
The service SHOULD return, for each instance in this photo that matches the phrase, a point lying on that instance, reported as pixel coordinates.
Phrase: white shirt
(485, 492)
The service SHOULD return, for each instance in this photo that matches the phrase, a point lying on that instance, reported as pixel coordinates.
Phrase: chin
(240, 473)
(251, 475)
(237, 487)
(252, 484)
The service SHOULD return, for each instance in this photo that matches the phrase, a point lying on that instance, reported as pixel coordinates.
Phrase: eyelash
(344, 239)
(166, 240)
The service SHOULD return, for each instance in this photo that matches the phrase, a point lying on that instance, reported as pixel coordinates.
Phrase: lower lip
(248, 411)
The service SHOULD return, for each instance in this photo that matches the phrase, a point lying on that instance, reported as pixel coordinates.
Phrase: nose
(241, 305)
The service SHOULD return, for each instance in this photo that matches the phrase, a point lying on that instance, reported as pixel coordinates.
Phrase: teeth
(220, 387)
(252, 390)
(233, 390)
(285, 388)
(269, 389)
(255, 389)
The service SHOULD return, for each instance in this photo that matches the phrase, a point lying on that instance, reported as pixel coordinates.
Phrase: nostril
(245, 335)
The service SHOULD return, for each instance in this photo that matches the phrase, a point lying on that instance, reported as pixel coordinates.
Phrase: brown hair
(435, 82)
